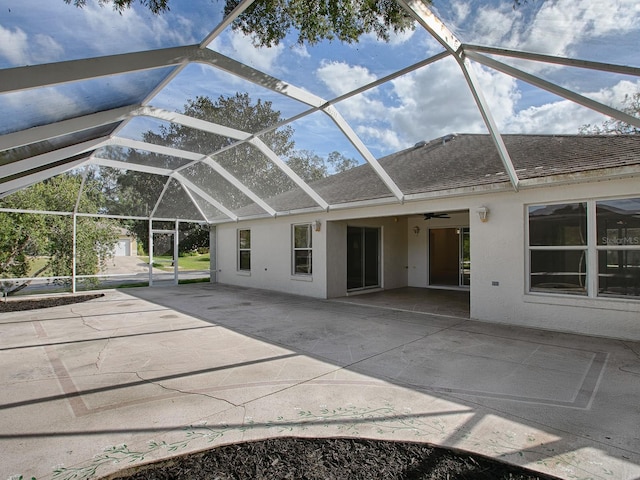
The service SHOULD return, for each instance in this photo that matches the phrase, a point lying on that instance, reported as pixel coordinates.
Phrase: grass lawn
(194, 262)
(36, 264)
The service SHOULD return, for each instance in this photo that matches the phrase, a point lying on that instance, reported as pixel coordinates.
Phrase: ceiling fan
(429, 216)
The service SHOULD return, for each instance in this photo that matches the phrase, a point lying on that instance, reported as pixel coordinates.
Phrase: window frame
(592, 251)
(569, 247)
(242, 249)
(634, 246)
(308, 249)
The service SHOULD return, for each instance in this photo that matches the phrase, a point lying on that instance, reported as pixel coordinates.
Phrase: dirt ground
(330, 459)
(17, 304)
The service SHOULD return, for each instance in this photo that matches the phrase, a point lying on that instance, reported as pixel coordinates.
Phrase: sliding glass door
(363, 257)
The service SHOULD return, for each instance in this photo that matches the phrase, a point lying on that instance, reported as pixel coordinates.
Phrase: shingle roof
(468, 160)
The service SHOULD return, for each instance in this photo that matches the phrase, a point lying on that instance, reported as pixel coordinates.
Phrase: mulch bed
(334, 459)
(17, 305)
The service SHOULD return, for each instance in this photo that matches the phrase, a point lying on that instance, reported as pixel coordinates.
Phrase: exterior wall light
(483, 213)
(316, 225)
(416, 230)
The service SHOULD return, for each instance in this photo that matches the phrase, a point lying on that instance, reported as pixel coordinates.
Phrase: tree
(339, 163)
(156, 6)
(24, 237)
(269, 21)
(311, 166)
(630, 106)
(138, 192)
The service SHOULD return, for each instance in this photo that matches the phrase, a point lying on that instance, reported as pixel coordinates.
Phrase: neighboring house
(562, 253)
(126, 245)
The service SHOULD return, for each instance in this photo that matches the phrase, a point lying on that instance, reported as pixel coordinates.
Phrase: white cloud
(615, 95)
(491, 26)
(300, 50)
(436, 100)
(561, 27)
(19, 49)
(461, 11)
(240, 47)
(341, 77)
(33, 107)
(382, 136)
(565, 116)
(104, 30)
(14, 46)
(401, 38)
(46, 49)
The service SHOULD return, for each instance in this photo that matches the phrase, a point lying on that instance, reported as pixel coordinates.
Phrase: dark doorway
(449, 259)
(363, 257)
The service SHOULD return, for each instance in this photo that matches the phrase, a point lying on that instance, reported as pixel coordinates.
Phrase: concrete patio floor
(142, 374)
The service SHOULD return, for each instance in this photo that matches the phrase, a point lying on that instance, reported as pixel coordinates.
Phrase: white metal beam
(257, 77)
(556, 89)
(195, 204)
(160, 149)
(239, 185)
(542, 58)
(237, 11)
(210, 127)
(134, 167)
(430, 22)
(192, 122)
(260, 145)
(35, 76)
(7, 188)
(485, 111)
(205, 195)
(64, 127)
(346, 129)
(155, 207)
(196, 158)
(308, 98)
(38, 161)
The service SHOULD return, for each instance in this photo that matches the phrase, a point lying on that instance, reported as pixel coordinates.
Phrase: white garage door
(123, 248)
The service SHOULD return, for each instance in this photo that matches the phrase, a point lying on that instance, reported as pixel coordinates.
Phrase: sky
(427, 103)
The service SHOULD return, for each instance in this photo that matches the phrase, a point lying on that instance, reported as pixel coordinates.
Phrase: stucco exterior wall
(393, 254)
(418, 252)
(271, 256)
(498, 257)
(498, 254)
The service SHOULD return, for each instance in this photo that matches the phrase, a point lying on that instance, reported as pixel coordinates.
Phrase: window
(618, 231)
(244, 250)
(586, 248)
(302, 252)
(558, 248)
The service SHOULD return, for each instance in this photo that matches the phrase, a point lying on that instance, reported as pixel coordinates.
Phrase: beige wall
(393, 252)
(271, 256)
(498, 252)
(418, 253)
(498, 257)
